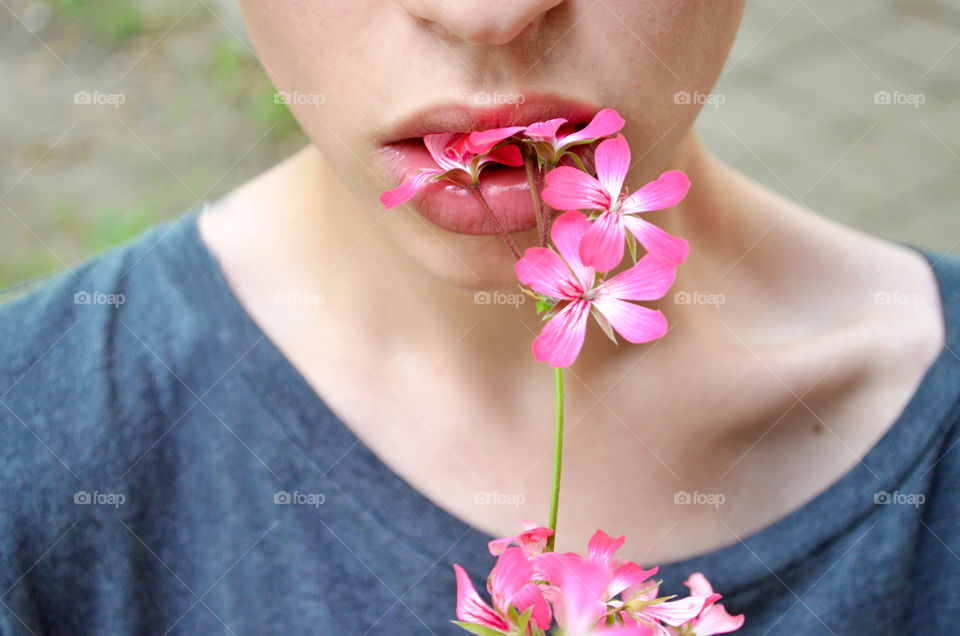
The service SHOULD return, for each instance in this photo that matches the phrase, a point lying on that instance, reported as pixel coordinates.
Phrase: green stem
(557, 459)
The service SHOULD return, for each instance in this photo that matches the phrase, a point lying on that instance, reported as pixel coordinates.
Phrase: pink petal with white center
(648, 279)
(560, 341)
(602, 546)
(481, 141)
(602, 245)
(567, 232)
(716, 620)
(507, 155)
(604, 123)
(473, 609)
(544, 271)
(570, 188)
(672, 250)
(635, 323)
(440, 147)
(667, 191)
(613, 161)
(545, 129)
(677, 612)
(406, 191)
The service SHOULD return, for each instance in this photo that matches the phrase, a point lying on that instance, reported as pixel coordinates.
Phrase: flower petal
(637, 324)
(699, 585)
(406, 191)
(440, 146)
(570, 188)
(567, 231)
(626, 576)
(672, 250)
(529, 595)
(481, 141)
(543, 270)
(507, 155)
(667, 191)
(583, 585)
(676, 612)
(511, 573)
(473, 609)
(545, 129)
(604, 123)
(560, 341)
(613, 161)
(602, 546)
(649, 279)
(602, 245)
(716, 620)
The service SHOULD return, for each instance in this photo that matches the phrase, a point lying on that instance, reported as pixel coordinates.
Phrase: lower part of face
(352, 73)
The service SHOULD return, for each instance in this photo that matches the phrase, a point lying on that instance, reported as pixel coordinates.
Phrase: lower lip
(453, 207)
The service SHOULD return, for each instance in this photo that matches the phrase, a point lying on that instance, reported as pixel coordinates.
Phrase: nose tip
(494, 22)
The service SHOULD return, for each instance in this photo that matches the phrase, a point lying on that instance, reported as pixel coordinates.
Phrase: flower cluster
(598, 594)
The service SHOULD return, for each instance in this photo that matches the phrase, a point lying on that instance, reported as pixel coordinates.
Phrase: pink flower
(604, 123)
(713, 619)
(458, 156)
(533, 540)
(568, 279)
(509, 586)
(641, 603)
(602, 248)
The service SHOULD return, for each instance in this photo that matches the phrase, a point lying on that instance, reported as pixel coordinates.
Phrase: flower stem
(557, 459)
(528, 159)
(502, 231)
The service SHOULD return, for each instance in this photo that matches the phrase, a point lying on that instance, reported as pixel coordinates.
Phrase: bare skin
(447, 393)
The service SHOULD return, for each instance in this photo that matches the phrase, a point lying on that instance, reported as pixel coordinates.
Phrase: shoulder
(84, 383)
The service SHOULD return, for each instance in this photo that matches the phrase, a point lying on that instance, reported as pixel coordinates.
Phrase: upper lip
(461, 117)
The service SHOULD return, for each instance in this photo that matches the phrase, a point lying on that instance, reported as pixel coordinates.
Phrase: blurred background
(120, 114)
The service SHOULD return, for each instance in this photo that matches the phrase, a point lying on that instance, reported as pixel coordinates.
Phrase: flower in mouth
(602, 248)
(459, 157)
(550, 148)
(565, 277)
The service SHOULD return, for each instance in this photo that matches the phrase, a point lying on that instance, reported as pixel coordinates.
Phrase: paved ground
(849, 107)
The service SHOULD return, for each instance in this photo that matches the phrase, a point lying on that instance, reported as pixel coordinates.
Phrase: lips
(505, 189)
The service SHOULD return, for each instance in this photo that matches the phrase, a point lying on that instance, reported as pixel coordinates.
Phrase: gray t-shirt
(164, 469)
